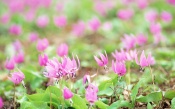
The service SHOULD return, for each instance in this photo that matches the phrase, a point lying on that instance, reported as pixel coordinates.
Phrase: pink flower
(158, 38)
(15, 30)
(142, 3)
(131, 55)
(42, 44)
(5, 18)
(33, 36)
(54, 69)
(103, 61)
(30, 15)
(141, 39)
(66, 67)
(86, 79)
(10, 64)
(129, 41)
(171, 2)
(125, 14)
(62, 50)
(79, 28)
(60, 21)
(155, 28)
(72, 66)
(94, 24)
(1, 103)
(16, 6)
(67, 93)
(151, 16)
(107, 26)
(19, 58)
(43, 59)
(17, 45)
(166, 16)
(119, 56)
(144, 62)
(91, 93)
(42, 21)
(119, 68)
(17, 77)
(100, 8)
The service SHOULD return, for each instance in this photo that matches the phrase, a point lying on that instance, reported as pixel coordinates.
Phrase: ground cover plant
(87, 54)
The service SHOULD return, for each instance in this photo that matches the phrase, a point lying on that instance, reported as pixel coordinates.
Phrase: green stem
(129, 74)
(50, 99)
(14, 105)
(152, 77)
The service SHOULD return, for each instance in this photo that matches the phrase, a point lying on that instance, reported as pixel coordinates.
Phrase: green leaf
(78, 102)
(101, 105)
(55, 90)
(149, 106)
(119, 104)
(173, 103)
(152, 97)
(134, 92)
(34, 105)
(45, 97)
(106, 84)
(170, 94)
(107, 92)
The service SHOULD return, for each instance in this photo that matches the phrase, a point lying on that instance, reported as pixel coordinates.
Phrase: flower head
(19, 58)
(103, 61)
(67, 93)
(60, 21)
(43, 59)
(1, 102)
(131, 55)
(142, 3)
(155, 28)
(10, 64)
(141, 39)
(119, 56)
(129, 41)
(17, 45)
(72, 66)
(33, 36)
(144, 62)
(42, 21)
(91, 93)
(62, 50)
(5, 18)
(42, 44)
(94, 24)
(166, 16)
(125, 14)
(67, 67)
(151, 16)
(17, 77)
(119, 68)
(15, 30)
(79, 28)
(86, 79)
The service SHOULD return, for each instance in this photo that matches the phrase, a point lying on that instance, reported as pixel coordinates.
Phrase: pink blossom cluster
(66, 67)
(91, 93)
(130, 41)
(102, 7)
(18, 58)
(17, 77)
(118, 65)
(152, 16)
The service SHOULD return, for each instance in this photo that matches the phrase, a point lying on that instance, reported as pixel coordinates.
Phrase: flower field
(87, 54)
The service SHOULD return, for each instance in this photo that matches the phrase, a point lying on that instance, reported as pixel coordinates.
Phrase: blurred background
(87, 27)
